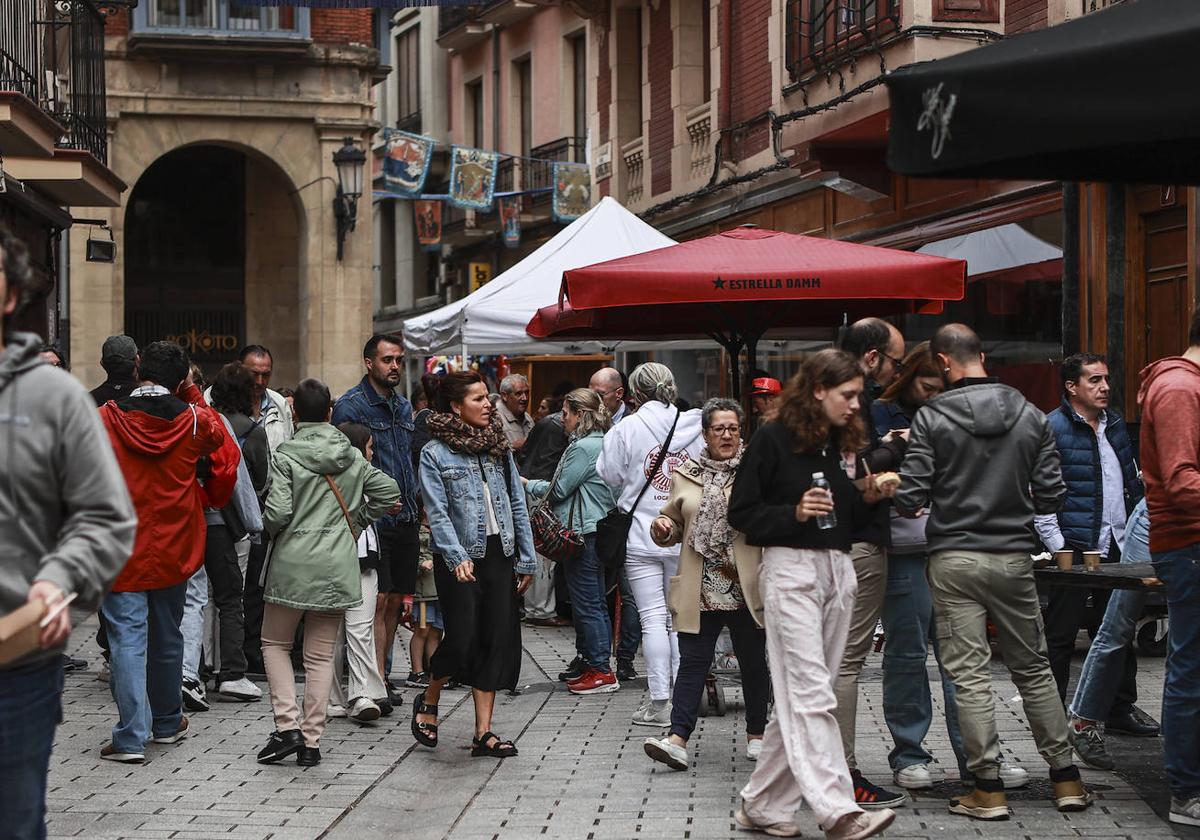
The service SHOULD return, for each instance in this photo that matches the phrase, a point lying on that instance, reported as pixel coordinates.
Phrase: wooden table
(1108, 576)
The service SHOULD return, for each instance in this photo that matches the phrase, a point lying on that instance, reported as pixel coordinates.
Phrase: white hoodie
(629, 452)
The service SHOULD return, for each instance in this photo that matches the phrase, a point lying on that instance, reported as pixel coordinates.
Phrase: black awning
(1111, 96)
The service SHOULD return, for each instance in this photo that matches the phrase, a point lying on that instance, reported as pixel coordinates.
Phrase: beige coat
(683, 599)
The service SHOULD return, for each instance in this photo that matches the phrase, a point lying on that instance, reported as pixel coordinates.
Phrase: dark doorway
(185, 254)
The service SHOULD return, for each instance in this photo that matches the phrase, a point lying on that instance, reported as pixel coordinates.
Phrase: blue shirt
(390, 420)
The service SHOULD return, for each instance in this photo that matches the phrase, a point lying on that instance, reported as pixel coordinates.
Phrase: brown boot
(981, 805)
(1071, 796)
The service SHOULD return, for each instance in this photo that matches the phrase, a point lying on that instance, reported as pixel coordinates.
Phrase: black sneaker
(626, 671)
(872, 797)
(194, 698)
(280, 745)
(70, 663)
(574, 670)
(308, 757)
(385, 706)
(417, 679)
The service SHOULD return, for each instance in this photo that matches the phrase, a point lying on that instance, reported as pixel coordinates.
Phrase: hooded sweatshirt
(984, 460)
(65, 515)
(314, 556)
(1170, 399)
(629, 452)
(158, 441)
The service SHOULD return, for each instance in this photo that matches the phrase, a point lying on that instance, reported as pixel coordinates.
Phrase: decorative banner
(572, 191)
(358, 4)
(407, 161)
(428, 216)
(472, 177)
(510, 220)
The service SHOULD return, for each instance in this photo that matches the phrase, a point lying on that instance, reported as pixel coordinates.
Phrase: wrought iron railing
(450, 17)
(22, 62)
(1097, 5)
(410, 122)
(822, 33)
(86, 113)
(506, 175)
(539, 172)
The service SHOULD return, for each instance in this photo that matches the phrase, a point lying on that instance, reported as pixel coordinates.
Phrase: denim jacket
(452, 487)
(391, 423)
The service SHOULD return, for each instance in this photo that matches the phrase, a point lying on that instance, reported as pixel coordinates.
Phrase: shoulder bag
(612, 532)
(551, 538)
(345, 510)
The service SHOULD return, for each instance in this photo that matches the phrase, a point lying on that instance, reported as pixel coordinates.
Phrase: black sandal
(500, 749)
(425, 733)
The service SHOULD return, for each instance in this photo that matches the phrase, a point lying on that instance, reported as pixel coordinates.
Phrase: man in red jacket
(160, 433)
(1170, 401)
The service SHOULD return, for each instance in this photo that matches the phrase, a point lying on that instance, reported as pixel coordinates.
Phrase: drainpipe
(726, 103)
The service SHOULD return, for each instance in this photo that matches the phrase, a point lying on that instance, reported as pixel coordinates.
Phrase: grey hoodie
(984, 460)
(65, 514)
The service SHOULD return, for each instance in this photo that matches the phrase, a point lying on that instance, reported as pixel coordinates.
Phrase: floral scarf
(468, 439)
(711, 536)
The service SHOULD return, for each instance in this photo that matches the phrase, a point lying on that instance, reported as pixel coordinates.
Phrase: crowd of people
(237, 531)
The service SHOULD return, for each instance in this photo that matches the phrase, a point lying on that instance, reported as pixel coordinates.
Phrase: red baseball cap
(765, 387)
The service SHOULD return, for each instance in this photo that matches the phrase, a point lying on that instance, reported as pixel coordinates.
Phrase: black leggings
(695, 661)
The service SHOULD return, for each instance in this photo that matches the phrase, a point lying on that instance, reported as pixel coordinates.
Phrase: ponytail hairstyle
(593, 416)
(803, 414)
(653, 382)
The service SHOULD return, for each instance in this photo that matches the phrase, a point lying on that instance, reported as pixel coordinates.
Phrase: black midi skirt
(482, 642)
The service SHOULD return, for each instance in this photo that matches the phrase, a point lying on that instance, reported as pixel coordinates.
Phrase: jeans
(30, 708)
(1104, 668)
(695, 661)
(908, 630)
(870, 568)
(631, 625)
(649, 578)
(147, 663)
(593, 632)
(192, 626)
(221, 563)
(1179, 571)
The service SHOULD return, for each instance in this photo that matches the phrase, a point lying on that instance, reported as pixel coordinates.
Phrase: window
(474, 113)
(641, 69)
(579, 112)
(524, 81)
(824, 32)
(408, 79)
(706, 39)
(385, 212)
(223, 17)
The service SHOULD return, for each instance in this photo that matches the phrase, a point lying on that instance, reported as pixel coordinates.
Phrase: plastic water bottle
(828, 520)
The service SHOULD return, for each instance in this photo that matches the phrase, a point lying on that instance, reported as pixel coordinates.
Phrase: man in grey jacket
(66, 528)
(984, 461)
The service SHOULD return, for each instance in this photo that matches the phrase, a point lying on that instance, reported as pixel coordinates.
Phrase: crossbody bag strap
(342, 503)
(658, 462)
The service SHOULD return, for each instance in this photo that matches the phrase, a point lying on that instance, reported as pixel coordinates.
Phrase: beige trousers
(808, 597)
(870, 568)
(969, 587)
(278, 632)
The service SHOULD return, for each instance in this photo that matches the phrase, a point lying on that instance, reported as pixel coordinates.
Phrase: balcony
(410, 123)
(539, 170)
(700, 139)
(824, 33)
(460, 27)
(1096, 5)
(221, 26)
(634, 159)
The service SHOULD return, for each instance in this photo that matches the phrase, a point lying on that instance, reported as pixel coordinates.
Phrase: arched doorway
(212, 258)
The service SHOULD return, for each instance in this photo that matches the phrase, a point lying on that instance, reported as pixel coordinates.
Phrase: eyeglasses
(722, 431)
(899, 363)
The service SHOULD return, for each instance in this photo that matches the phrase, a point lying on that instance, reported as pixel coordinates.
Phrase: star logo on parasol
(718, 283)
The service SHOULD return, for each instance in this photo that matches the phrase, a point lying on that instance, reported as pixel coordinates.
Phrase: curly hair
(233, 390)
(803, 415)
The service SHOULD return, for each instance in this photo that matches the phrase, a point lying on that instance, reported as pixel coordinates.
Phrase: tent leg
(751, 365)
(408, 382)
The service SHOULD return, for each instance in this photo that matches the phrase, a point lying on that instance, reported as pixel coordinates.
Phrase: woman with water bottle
(794, 496)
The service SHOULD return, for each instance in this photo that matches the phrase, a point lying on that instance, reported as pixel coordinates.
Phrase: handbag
(551, 538)
(612, 532)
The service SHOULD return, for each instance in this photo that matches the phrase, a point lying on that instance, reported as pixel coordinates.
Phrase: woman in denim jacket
(480, 526)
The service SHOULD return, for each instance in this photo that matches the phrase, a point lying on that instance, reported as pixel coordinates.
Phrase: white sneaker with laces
(665, 752)
(239, 691)
(648, 716)
(920, 776)
(754, 748)
(1185, 811)
(1013, 776)
(363, 710)
(334, 710)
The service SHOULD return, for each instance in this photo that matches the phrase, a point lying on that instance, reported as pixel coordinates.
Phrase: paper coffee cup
(1065, 559)
(1091, 560)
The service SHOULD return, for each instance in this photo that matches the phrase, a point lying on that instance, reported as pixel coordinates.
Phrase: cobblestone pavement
(581, 774)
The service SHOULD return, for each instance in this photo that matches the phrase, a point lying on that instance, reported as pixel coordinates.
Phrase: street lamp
(349, 161)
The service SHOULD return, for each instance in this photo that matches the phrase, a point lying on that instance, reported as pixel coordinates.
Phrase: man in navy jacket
(1103, 486)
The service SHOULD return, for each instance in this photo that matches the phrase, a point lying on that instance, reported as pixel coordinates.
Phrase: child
(426, 619)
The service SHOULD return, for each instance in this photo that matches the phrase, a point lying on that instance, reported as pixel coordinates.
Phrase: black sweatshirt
(770, 481)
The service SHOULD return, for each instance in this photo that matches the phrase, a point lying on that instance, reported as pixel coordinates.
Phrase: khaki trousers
(969, 587)
(808, 597)
(870, 568)
(278, 632)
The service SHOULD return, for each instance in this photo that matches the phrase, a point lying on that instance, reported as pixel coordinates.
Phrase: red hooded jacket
(1170, 399)
(158, 457)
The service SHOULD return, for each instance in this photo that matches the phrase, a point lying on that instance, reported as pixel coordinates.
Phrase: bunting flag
(428, 217)
(406, 162)
(472, 177)
(572, 190)
(510, 220)
(359, 4)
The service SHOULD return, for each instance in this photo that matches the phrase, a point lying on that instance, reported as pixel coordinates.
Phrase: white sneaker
(861, 825)
(646, 716)
(754, 748)
(1013, 776)
(363, 710)
(335, 710)
(1185, 811)
(919, 776)
(665, 752)
(239, 691)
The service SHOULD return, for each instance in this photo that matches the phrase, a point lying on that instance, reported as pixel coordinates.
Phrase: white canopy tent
(492, 319)
(994, 250)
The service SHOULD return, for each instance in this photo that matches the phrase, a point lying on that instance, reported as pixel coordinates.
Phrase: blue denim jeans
(30, 708)
(147, 663)
(192, 625)
(1179, 571)
(908, 630)
(585, 581)
(631, 622)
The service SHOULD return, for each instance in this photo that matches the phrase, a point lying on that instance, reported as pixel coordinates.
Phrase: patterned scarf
(711, 536)
(468, 439)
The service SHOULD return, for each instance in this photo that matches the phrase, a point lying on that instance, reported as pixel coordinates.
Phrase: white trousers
(808, 600)
(539, 597)
(356, 642)
(649, 578)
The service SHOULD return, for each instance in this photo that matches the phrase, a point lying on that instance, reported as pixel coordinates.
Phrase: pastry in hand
(883, 479)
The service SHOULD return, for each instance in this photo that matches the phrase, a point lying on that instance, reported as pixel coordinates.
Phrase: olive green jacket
(313, 562)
